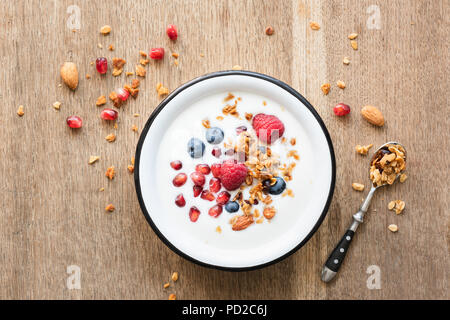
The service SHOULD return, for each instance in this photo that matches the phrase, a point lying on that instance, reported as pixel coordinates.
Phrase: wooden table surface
(52, 214)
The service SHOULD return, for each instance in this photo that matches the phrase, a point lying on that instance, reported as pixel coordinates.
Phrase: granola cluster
(386, 164)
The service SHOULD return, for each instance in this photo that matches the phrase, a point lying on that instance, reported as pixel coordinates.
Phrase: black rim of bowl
(221, 74)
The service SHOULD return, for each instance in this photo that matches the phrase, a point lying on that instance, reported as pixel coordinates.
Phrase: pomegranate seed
(179, 200)
(215, 211)
(207, 195)
(341, 109)
(241, 129)
(74, 122)
(223, 197)
(109, 114)
(214, 185)
(203, 168)
(198, 178)
(122, 94)
(215, 168)
(102, 65)
(197, 190)
(194, 213)
(172, 32)
(157, 53)
(177, 165)
(179, 179)
(216, 152)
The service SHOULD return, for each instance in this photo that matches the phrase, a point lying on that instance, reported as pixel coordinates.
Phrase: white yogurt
(173, 146)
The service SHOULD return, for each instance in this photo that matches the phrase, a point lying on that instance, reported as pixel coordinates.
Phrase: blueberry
(196, 148)
(232, 206)
(214, 135)
(262, 149)
(276, 188)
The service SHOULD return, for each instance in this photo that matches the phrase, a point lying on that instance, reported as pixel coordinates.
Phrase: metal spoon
(337, 256)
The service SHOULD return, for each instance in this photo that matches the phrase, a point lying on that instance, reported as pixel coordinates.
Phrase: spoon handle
(337, 256)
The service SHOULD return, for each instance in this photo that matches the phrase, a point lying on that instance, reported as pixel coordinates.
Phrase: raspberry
(268, 127)
(232, 174)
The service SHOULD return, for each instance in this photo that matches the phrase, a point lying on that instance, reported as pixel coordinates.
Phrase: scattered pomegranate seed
(214, 185)
(102, 65)
(122, 94)
(216, 152)
(215, 168)
(197, 190)
(109, 114)
(223, 197)
(241, 129)
(341, 109)
(74, 122)
(172, 32)
(215, 211)
(198, 178)
(157, 53)
(179, 200)
(203, 168)
(177, 165)
(179, 179)
(207, 195)
(194, 213)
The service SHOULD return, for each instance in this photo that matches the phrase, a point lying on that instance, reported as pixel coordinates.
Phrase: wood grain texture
(52, 214)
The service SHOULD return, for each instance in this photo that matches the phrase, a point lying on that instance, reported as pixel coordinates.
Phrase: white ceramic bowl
(308, 210)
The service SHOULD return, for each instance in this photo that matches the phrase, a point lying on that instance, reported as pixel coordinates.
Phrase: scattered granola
(166, 285)
(110, 208)
(118, 64)
(403, 177)
(110, 173)
(218, 229)
(172, 296)
(101, 101)
(346, 61)
(115, 99)
(175, 55)
(88, 76)
(134, 128)
(110, 137)
(206, 124)
(352, 36)
(229, 97)
(162, 91)
(248, 116)
(340, 84)
(57, 105)
(363, 149)
(354, 44)
(357, 186)
(111, 47)
(143, 53)
(314, 25)
(269, 31)
(293, 141)
(393, 227)
(269, 212)
(93, 159)
(140, 71)
(325, 88)
(236, 67)
(105, 30)
(397, 206)
(175, 276)
(20, 111)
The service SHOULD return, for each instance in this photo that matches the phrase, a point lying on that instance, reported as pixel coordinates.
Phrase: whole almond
(242, 222)
(373, 115)
(69, 74)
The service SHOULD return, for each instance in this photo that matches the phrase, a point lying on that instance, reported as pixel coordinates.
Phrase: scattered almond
(69, 74)
(373, 115)
(105, 30)
(242, 222)
(357, 186)
(325, 88)
(314, 25)
(110, 208)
